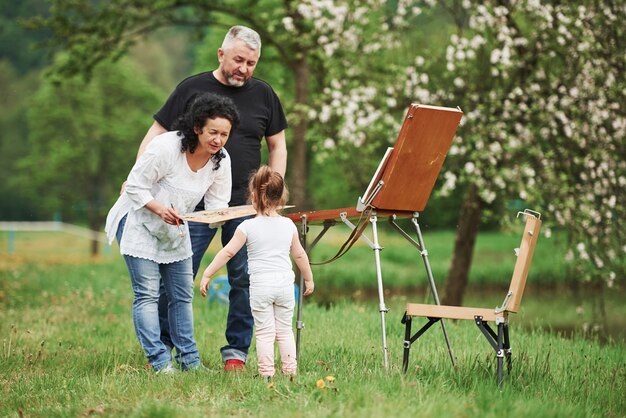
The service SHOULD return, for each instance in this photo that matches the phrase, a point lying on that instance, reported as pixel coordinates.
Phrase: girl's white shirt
(163, 174)
(268, 242)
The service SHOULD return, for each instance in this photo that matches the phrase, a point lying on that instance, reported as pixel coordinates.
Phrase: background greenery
(539, 82)
(154, 66)
(67, 143)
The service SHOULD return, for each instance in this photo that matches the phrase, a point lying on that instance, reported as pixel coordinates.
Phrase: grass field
(68, 349)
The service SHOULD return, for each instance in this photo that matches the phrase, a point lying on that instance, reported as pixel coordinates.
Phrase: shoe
(234, 365)
(169, 369)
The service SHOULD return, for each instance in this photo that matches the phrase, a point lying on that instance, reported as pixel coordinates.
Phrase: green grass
(69, 349)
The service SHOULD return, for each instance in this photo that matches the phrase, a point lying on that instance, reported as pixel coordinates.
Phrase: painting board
(417, 157)
(210, 216)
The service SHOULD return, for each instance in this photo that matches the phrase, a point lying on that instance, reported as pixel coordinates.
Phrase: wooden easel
(400, 189)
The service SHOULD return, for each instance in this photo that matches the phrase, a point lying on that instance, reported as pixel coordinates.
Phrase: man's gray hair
(242, 33)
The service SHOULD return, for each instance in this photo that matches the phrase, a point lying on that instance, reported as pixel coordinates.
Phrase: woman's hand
(204, 285)
(169, 214)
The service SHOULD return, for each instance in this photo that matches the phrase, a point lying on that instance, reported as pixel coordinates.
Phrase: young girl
(269, 238)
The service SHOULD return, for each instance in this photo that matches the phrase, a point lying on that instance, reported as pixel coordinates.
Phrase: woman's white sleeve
(149, 168)
(218, 194)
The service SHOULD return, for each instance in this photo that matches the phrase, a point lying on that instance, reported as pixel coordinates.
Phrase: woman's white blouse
(162, 173)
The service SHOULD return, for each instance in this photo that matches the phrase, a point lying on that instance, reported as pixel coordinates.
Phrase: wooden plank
(450, 312)
(222, 214)
(417, 157)
(524, 259)
(516, 288)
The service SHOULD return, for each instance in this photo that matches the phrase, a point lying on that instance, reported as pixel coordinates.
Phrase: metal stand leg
(431, 280)
(406, 320)
(381, 298)
(495, 340)
(299, 323)
(500, 353)
(507, 347)
(408, 339)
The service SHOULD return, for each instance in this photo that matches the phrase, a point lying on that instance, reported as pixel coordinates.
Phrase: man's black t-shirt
(260, 112)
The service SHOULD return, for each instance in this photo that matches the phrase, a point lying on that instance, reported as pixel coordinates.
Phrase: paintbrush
(180, 228)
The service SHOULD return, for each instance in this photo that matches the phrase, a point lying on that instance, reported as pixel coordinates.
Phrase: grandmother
(177, 170)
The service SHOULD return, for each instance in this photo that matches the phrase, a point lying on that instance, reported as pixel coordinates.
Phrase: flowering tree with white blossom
(545, 122)
(544, 95)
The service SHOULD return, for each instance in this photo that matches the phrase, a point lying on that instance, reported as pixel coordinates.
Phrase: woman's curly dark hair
(205, 106)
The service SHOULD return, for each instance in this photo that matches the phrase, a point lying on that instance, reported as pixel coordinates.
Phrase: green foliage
(330, 184)
(15, 91)
(165, 57)
(69, 349)
(81, 140)
(17, 44)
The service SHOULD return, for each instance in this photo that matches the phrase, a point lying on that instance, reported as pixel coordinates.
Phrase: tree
(544, 116)
(304, 34)
(19, 63)
(81, 140)
(545, 123)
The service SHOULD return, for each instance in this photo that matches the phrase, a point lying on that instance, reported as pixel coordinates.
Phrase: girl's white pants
(272, 302)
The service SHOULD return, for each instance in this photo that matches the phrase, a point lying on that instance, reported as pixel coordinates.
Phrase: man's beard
(232, 81)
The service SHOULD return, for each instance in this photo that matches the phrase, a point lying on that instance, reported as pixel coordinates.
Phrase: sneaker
(234, 365)
(169, 369)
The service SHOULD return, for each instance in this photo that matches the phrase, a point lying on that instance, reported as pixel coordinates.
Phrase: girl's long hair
(269, 190)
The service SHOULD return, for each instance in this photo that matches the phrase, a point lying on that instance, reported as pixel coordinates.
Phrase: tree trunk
(469, 220)
(93, 220)
(297, 162)
(94, 225)
(598, 308)
(95, 246)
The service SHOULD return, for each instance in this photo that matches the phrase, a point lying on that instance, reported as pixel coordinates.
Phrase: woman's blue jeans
(177, 278)
(240, 323)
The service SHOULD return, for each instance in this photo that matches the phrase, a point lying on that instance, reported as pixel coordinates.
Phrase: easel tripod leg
(495, 340)
(431, 280)
(299, 323)
(381, 297)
